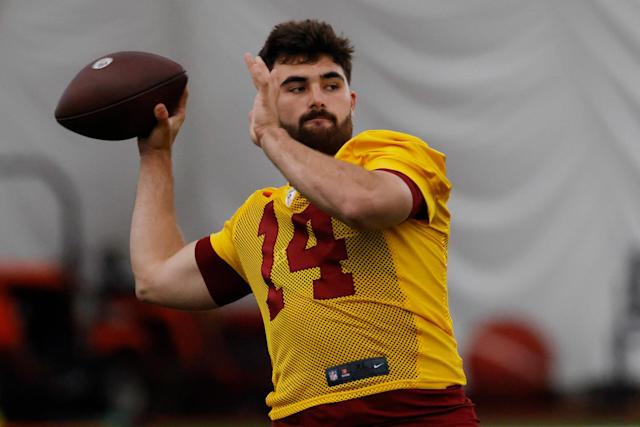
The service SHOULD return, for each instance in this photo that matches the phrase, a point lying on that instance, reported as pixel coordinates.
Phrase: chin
(327, 138)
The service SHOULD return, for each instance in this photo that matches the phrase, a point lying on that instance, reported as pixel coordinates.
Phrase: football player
(347, 261)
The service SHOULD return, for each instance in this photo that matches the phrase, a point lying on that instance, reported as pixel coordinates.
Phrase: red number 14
(326, 254)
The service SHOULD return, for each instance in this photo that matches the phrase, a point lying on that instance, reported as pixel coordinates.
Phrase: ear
(354, 98)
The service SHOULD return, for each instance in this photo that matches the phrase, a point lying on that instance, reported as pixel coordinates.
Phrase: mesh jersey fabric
(330, 294)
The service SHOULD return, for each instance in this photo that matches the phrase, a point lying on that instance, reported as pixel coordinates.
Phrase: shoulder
(258, 198)
(387, 135)
(381, 139)
(370, 145)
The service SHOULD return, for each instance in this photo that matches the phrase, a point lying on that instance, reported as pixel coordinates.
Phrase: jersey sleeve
(407, 155)
(220, 266)
(418, 204)
(222, 243)
(223, 283)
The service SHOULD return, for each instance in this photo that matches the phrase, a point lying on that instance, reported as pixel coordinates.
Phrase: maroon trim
(419, 208)
(411, 407)
(224, 284)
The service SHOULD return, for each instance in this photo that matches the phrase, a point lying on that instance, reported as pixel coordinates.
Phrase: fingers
(182, 104)
(162, 115)
(160, 110)
(248, 59)
(259, 71)
(174, 121)
(181, 110)
(264, 112)
(166, 122)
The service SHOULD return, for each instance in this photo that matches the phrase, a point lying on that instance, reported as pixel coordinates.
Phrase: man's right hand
(164, 133)
(163, 265)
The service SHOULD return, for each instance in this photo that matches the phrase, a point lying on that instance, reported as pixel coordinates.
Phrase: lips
(318, 118)
(319, 121)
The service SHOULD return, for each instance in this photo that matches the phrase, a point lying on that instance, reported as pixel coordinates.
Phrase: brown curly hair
(304, 42)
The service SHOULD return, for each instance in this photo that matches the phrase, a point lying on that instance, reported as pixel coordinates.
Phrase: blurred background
(536, 105)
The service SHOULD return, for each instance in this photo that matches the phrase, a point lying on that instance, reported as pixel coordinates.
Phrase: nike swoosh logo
(377, 365)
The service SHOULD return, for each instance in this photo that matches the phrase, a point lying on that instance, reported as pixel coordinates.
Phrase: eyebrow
(332, 75)
(294, 79)
(302, 79)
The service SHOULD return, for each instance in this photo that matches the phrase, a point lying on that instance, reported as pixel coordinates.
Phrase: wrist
(145, 149)
(272, 136)
(155, 155)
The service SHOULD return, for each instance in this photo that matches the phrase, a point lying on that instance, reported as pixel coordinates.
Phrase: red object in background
(11, 330)
(23, 275)
(509, 359)
(35, 275)
(170, 361)
(124, 325)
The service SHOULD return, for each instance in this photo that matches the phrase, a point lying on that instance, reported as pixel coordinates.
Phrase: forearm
(155, 235)
(345, 191)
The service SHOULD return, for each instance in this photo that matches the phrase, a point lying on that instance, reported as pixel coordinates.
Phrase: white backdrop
(536, 105)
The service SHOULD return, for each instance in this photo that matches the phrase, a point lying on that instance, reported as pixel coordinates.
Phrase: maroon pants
(409, 408)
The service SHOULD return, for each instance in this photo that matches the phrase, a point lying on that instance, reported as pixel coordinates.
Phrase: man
(347, 261)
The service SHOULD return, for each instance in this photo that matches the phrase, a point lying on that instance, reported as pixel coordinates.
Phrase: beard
(326, 140)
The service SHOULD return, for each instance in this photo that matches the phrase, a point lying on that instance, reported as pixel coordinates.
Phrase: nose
(316, 98)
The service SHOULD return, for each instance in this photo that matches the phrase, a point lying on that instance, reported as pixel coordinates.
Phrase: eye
(332, 86)
(296, 89)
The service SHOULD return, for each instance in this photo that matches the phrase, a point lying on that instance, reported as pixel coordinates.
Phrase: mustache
(318, 114)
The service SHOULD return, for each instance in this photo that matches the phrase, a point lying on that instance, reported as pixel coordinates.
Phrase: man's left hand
(264, 114)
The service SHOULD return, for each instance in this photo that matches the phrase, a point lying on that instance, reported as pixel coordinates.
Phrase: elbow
(144, 288)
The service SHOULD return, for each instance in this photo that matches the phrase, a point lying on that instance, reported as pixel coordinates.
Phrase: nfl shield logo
(333, 375)
(291, 194)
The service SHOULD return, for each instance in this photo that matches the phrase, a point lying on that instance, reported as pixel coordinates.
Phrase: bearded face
(314, 103)
(320, 130)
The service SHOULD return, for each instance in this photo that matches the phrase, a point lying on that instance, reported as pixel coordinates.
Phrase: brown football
(113, 97)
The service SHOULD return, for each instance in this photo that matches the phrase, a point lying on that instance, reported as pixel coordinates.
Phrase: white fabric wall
(536, 105)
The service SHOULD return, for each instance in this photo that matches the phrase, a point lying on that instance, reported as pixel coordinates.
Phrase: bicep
(419, 208)
(391, 201)
(178, 283)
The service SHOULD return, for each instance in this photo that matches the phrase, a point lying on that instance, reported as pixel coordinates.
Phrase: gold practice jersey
(349, 313)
